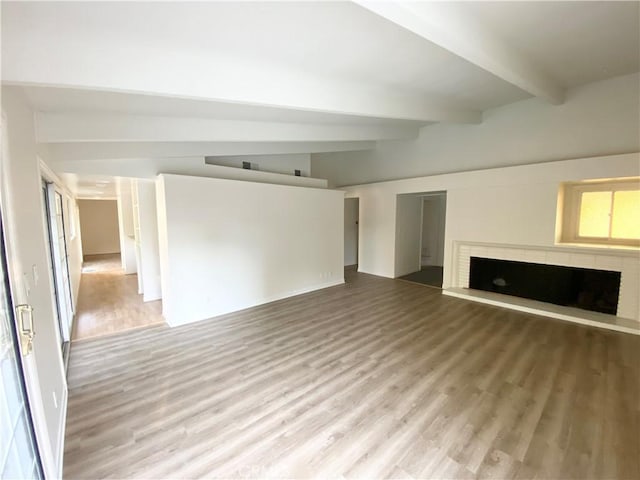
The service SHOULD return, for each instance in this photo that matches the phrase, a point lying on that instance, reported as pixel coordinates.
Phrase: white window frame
(571, 193)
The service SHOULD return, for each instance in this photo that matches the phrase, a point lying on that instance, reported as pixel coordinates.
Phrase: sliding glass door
(54, 213)
(18, 452)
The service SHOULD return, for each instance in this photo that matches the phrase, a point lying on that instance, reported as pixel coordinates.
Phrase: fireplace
(585, 288)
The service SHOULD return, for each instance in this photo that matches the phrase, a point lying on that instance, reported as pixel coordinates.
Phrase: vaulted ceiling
(128, 82)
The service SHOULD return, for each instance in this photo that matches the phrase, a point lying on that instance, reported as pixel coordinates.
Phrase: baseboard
(263, 301)
(151, 297)
(63, 429)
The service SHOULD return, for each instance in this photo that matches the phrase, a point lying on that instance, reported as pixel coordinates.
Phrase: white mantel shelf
(569, 314)
(595, 249)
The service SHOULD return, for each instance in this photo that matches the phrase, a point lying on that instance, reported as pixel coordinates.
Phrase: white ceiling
(328, 39)
(574, 42)
(92, 186)
(292, 77)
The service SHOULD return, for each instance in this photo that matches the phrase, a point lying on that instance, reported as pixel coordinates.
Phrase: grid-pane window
(625, 222)
(606, 212)
(595, 213)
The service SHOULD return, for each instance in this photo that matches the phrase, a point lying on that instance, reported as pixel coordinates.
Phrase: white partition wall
(226, 245)
(126, 228)
(149, 249)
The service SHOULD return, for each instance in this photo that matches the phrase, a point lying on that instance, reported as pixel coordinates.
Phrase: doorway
(110, 301)
(432, 238)
(351, 232)
(420, 228)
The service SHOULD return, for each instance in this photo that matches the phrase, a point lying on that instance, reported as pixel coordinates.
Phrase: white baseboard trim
(262, 301)
(63, 429)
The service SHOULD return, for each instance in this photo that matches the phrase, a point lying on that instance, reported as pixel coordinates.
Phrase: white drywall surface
(32, 283)
(227, 245)
(597, 119)
(284, 164)
(150, 167)
(99, 226)
(74, 246)
(149, 247)
(511, 205)
(125, 224)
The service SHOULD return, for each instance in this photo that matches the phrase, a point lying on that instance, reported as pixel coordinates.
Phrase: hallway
(109, 302)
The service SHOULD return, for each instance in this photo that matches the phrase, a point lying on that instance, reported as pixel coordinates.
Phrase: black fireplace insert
(595, 290)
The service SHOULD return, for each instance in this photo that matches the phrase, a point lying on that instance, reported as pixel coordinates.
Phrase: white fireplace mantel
(625, 261)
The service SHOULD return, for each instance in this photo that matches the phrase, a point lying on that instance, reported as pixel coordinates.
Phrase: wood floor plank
(376, 378)
(109, 302)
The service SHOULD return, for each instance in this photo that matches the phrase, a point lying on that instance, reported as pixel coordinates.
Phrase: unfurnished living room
(313, 239)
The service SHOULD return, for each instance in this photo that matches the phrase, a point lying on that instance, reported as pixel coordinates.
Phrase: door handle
(25, 325)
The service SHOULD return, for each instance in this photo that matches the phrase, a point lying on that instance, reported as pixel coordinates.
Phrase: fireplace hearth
(588, 289)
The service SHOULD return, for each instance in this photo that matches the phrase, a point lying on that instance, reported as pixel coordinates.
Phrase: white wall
(351, 231)
(433, 225)
(285, 164)
(149, 247)
(601, 118)
(125, 227)
(227, 245)
(177, 165)
(74, 246)
(408, 232)
(25, 230)
(166, 273)
(511, 205)
(99, 226)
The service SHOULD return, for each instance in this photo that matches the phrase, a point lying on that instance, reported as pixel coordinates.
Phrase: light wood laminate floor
(109, 301)
(374, 379)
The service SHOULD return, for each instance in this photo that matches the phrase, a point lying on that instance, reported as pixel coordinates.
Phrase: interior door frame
(52, 186)
(62, 287)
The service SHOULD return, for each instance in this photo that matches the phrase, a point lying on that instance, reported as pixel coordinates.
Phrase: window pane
(594, 214)
(626, 215)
